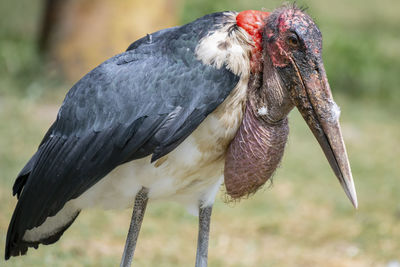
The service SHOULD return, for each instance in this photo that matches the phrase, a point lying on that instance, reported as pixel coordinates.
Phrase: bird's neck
(253, 21)
(267, 96)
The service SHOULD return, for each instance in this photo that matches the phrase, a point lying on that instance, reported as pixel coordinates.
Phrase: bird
(182, 111)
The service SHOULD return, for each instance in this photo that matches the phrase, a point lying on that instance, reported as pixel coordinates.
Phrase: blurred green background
(304, 219)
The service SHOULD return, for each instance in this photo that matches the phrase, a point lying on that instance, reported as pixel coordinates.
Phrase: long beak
(314, 100)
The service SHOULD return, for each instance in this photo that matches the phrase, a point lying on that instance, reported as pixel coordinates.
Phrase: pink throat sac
(254, 154)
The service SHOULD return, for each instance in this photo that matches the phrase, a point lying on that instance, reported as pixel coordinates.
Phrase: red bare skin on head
(279, 50)
(253, 22)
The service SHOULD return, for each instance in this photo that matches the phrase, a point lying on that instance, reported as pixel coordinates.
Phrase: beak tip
(351, 193)
(354, 202)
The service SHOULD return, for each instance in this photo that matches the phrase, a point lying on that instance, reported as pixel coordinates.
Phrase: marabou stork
(180, 109)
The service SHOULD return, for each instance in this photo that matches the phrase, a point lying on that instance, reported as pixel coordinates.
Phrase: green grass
(304, 219)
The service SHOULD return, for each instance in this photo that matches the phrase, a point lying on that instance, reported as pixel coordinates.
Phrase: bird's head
(292, 64)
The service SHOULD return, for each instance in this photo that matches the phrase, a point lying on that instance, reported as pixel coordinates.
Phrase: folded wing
(143, 102)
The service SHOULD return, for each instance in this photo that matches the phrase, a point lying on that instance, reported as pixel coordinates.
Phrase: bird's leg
(134, 228)
(202, 239)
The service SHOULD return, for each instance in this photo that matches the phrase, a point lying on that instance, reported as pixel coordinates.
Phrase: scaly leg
(134, 228)
(202, 239)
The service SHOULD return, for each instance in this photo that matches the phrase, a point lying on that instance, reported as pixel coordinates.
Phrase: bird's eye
(293, 41)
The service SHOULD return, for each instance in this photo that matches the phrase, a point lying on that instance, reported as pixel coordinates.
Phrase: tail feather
(34, 222)
(47, 233)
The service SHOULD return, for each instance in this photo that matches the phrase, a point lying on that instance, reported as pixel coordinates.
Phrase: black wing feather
(144, 101)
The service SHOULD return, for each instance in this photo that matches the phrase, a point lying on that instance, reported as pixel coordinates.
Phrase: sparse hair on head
(295, 6)
(272, 19)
